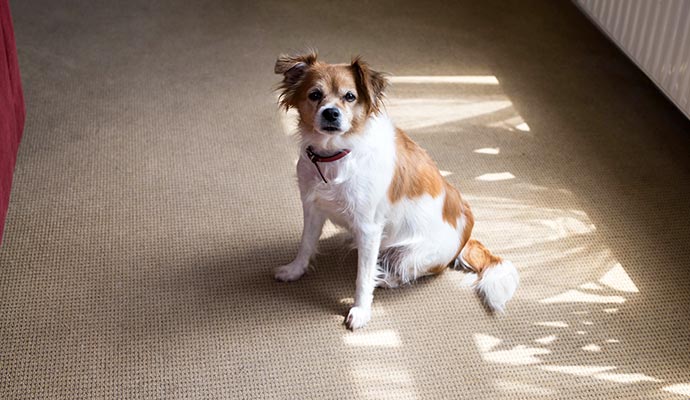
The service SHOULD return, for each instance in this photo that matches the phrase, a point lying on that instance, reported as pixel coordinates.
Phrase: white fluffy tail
(498, 278)
(498, 285)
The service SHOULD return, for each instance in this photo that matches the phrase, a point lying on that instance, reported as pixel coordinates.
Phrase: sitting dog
(364, 174)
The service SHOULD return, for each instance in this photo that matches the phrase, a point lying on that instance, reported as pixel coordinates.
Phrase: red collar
(317, 158)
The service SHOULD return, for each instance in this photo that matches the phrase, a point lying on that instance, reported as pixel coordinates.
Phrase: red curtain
(11, 108)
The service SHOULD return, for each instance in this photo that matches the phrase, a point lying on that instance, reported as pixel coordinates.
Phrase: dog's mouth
(330, 128)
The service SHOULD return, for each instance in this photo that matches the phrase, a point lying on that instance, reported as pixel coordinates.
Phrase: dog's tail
(497, 278)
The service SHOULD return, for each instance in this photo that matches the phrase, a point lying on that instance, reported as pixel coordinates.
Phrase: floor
(155, 192)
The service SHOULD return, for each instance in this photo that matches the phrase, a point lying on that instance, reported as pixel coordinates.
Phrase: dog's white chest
(356, 185)
(354, 188)
(342, 197)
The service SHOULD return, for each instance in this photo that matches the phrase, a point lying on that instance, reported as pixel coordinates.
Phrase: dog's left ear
(370, 84)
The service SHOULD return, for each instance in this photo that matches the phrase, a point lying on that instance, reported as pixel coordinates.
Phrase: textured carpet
(155, 192)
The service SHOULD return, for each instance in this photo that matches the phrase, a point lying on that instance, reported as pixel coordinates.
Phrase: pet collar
(316, 158)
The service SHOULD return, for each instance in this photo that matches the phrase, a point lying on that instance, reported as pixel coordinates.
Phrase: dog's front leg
(368, 241)
(313, 224)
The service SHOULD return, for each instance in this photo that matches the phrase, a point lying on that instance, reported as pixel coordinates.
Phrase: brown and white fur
(407, 221)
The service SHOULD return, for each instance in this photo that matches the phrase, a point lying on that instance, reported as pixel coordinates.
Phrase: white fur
(356, 197)
(498, 285)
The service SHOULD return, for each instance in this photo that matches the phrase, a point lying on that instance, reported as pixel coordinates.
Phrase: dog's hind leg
(389, 259)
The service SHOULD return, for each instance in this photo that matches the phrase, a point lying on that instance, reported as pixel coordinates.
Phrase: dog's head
(332, 99)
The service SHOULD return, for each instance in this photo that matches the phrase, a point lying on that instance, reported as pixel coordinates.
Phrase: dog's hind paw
(358, 317)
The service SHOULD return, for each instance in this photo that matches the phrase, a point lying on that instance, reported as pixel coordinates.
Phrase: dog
(364, 174)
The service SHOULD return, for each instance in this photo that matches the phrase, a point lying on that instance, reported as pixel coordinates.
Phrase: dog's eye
(350, 97)
(316, 95)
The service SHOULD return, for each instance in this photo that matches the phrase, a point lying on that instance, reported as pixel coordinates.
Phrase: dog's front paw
(358, 317)
(290, 272)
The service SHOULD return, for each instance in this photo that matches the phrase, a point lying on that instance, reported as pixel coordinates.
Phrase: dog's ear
(293, 68)
(370, 84)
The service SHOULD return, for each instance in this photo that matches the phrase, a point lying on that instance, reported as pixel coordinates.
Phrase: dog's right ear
(293, 69)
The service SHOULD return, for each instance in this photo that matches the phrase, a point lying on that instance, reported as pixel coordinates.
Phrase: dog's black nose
(331, 114)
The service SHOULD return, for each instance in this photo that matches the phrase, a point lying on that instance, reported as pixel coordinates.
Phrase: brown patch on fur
(370, 84)
(478, 257)
(437, 269)
(467, 230)
(452, 205)
(415, 172)
(469, 224)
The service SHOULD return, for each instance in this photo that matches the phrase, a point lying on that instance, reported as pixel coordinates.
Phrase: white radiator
(655, 34)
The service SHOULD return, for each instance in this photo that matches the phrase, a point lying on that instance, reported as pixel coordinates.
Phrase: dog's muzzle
(330, 120)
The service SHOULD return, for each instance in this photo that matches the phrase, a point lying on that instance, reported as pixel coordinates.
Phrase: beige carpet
(155, 192)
